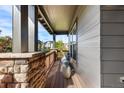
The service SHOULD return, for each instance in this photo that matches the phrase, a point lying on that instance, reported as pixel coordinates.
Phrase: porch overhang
(57, 19)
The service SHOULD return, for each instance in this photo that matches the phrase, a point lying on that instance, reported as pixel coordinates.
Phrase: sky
(6, 26)
(43, 35)
(6, 20)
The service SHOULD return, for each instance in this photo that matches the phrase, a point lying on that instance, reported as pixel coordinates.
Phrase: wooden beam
(44, 24)
(40, 18)
(61, 32)
(41, 21)
(46, 21)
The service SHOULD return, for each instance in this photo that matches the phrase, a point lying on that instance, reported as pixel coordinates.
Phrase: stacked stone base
(27, 71)
(13, 73)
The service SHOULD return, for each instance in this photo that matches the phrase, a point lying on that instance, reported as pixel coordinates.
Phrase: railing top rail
(24, 55)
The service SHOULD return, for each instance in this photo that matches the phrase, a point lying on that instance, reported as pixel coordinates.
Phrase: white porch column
(20, 29)
(33, 29)
(25, 38)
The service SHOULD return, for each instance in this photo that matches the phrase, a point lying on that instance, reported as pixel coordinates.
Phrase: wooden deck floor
(56, 79)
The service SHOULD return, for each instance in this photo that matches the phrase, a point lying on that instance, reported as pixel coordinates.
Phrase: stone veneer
(25, 70)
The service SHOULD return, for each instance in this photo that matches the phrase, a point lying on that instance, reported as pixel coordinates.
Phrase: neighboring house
(48, 44)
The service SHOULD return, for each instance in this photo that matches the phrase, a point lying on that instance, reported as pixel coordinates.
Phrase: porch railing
(25, 69)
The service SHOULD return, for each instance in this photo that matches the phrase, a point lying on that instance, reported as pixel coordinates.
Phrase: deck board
(56, 80)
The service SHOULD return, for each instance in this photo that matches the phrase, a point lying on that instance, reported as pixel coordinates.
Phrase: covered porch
(28, 67)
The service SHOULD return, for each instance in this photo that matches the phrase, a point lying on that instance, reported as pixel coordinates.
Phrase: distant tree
(59, 44)
(39, 45)
(5, 44)
(0, 31)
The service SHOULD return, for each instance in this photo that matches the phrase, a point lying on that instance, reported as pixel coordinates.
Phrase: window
(73, 42)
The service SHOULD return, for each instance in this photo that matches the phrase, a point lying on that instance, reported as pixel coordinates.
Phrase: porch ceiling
(59, 17)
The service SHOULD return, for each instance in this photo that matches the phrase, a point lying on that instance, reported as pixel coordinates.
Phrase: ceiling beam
(44, 18)
(61, 32)
(40, 18)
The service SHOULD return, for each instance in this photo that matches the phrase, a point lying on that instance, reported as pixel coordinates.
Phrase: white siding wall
(89, 46)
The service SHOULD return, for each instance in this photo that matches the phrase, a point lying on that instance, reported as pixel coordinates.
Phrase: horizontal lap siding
(113, 16)
(109, 29)
(112, 81)
(112, 67)
(113, 54)
(89, 46)
(113, 42)
(112, 46)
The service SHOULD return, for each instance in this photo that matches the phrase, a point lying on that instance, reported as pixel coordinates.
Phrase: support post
(25, 28)
(54, 40)
(20, 29)
(33, 29)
